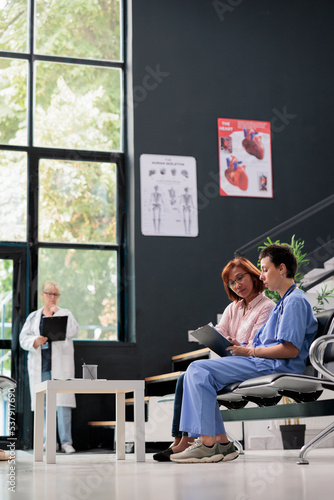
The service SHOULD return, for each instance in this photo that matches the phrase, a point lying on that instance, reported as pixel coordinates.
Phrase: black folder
(54, 328)
(212, 338)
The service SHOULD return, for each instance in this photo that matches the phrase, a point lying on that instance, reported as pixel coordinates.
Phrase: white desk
(117, 387)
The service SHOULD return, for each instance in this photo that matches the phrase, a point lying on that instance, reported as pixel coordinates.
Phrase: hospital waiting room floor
(256, 475)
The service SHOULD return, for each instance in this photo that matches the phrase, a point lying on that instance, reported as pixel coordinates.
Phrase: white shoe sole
(206, 460)
(231, 456)
(194, 460)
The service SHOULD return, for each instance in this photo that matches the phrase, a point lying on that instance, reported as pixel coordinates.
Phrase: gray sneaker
(229, 451)
(198, 452)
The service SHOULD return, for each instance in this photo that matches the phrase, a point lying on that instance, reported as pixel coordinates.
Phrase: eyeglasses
(52, 294)
(239, 279)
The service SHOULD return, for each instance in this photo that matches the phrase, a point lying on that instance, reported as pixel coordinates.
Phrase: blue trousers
(64, 418)
(177, 408)
(200, 414)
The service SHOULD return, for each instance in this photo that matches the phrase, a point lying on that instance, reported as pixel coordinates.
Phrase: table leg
(51, 420)
(120, 425)
(139, 424)
(38, 427)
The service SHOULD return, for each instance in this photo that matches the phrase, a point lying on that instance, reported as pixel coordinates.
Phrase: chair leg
(236, 443)
(319, 438)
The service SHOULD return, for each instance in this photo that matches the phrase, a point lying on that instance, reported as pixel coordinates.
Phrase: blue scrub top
(292, 320)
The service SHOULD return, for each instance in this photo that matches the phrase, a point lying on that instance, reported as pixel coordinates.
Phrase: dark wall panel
(266, 60)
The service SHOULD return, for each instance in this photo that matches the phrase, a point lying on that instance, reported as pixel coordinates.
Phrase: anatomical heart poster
(245, 167)
(168, 189)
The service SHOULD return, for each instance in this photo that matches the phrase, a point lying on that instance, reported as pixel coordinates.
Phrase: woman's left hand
(240, 350)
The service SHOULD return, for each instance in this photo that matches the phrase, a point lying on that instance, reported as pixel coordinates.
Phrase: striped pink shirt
(243, 325)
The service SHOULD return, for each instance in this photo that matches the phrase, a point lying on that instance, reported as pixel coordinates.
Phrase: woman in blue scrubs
(280, 346)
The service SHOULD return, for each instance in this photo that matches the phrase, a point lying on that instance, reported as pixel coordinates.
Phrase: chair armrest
(317, 352)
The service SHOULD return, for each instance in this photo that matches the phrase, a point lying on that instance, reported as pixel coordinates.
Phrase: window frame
(35, 154)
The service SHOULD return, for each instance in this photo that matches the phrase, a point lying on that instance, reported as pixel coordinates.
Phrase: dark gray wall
(264, 57)
(258, 60)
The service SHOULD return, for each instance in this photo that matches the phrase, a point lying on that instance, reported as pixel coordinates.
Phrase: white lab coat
(62, 362)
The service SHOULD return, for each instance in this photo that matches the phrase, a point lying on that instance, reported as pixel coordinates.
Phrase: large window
(61, 153)
(77, 201)
(94, 271)
(80, 109)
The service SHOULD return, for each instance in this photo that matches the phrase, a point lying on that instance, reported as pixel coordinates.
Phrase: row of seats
(267, 390)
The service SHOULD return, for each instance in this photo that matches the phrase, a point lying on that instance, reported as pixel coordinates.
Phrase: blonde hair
(50, 284)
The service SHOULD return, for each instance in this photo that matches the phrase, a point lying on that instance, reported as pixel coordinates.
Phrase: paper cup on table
(89, 372)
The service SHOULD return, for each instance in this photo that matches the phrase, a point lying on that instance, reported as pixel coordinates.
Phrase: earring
(282, 276)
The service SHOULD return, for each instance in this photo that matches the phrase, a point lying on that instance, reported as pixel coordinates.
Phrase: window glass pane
(6, 309)
(13, 206)
(77, 201)
(77, 28)
(13, 102)
(6, 304)
(88, 287)
(77, 107)
(6, 403)
(13, 25)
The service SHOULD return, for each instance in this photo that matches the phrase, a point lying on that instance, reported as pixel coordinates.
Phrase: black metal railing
(293, 221)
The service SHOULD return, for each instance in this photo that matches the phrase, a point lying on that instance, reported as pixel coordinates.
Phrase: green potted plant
(297, 248)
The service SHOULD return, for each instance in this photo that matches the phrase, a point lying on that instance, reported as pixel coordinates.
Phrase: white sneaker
(67, 448)
(57, 446)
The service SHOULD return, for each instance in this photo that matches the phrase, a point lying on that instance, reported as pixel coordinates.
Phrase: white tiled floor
(257, 475)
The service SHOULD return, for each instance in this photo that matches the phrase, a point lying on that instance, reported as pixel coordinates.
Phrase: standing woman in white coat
(51, 360)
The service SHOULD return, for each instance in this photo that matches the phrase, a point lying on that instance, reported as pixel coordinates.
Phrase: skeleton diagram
(156, 203)
(187, 204)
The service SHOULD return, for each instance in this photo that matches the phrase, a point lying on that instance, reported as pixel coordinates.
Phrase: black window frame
(35, 154)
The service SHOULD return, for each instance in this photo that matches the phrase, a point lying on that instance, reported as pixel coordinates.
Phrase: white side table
(117, 387)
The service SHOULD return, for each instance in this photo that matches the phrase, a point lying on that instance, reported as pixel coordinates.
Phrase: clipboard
(54, 328)
(212, 338)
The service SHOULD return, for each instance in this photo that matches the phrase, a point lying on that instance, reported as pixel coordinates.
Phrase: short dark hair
(281, 254)
(248, 268)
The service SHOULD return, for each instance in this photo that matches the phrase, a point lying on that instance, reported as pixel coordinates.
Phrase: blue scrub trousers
(64, 418)
(200, 414)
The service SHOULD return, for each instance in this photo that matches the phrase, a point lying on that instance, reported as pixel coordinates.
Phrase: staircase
(315, 281)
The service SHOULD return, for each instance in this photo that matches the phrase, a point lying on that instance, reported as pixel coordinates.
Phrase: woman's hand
(233, 341)
(39, 341)
(240, 350)
(279, 351)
